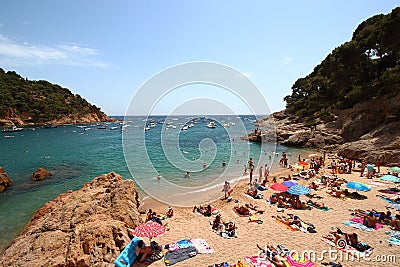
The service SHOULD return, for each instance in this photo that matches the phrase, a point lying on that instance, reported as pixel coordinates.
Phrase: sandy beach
(185, 224)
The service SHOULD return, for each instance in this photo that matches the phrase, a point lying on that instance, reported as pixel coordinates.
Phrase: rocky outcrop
(11, 118)
(4, 180)
(87, 227)
(368, 131)
(41, 174)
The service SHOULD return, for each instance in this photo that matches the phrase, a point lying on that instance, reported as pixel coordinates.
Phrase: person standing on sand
(227, 189)
(266, 171)
(363, 165)
(251, 167)
(260, 173)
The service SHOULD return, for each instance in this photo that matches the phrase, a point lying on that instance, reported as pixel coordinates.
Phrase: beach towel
(393, 206)
(185, 243)
(201, 246)
(172, 257)
(291, 228)
(394, 237)
(357, 222)
(350, 250)
(295, 259)
(258, 261)
(323, 209)
(258, 196)
(255, 219)
(386, 199)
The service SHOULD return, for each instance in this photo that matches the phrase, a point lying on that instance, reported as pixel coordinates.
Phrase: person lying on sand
(295, 220)
(370, 220)
(206, 211)
(275, 258)
(318, 205)
(351, 239)
(395, 223)
(337, 192)
(243, 210)
(255, 208)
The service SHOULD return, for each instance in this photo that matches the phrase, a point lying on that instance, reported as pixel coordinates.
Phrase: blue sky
(105, 50)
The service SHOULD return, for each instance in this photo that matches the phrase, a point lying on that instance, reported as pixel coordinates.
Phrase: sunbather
(395, 223)
(243, 210)
(272, 254)
(318, 205)
(142, 251)
(370, 220)
(217, 224)
(255, 208)
(295, 220)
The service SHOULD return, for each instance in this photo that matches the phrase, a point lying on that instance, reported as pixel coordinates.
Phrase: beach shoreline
(185, 224)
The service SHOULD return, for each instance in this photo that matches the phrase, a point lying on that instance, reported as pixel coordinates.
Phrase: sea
(180, 160)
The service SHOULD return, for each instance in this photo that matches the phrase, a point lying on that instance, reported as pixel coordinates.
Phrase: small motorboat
(12, 129)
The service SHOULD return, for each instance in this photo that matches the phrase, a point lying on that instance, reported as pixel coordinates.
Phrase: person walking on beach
(266, 171)
(227, 190)
(260, 173)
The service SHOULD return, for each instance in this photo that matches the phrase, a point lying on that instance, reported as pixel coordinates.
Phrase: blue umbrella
(357, 186)
(289, 183)
(390, 178)
(299, 190)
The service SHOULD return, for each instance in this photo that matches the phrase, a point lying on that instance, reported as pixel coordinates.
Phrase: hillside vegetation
(365, 68)
(40, 101)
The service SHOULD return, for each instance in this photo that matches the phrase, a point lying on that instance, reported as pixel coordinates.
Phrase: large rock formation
(367, 131)
(87, 227)
(41, 174)
(4, 180)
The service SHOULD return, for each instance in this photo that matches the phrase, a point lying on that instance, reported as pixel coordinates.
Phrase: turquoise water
(75, 156)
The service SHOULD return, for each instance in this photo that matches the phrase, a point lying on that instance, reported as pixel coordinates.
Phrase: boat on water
(211, 124)
(12, 129)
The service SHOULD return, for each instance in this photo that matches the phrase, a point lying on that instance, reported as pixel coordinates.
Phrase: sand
(188, 225)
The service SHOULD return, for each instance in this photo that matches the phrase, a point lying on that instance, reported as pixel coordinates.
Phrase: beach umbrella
(303, 163)
(299, 190)
(279, 187)
(390, 178)
(289, 183)
(357, 186)
(149, 229)
(296, 260)
(395, 169)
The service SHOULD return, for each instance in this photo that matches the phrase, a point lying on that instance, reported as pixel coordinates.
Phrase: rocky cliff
(87, 227)
(367, 131)
(13, 117)
(4, 180)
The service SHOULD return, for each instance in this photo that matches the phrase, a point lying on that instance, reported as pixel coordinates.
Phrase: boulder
(41, 174)
(4, 180)
(87, 227)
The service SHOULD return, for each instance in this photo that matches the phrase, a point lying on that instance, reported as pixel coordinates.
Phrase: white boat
(147, 128)
(184, 128)
(211, 124)
(114, 128)
(12, 129)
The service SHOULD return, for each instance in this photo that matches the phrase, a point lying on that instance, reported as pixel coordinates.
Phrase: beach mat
(295, 260)
(258, 261)
(287, 226)
(357, 222)
(394, 237)
(201, 246)
(181, 254)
